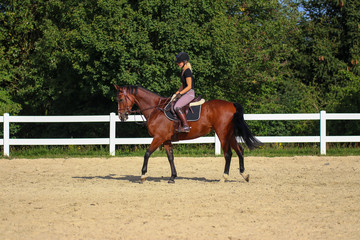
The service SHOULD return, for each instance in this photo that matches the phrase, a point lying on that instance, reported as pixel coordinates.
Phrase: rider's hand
(175, 97)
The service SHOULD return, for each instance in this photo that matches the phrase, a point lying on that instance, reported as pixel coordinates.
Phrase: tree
(62, 57)
(328, 45)
(350, 12)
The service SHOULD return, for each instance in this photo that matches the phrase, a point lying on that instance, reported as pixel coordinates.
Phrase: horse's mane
(131, 89)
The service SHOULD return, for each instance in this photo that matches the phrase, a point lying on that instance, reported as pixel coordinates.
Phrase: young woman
(186, 92)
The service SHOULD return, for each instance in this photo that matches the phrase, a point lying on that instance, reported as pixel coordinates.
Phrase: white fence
(112, 141)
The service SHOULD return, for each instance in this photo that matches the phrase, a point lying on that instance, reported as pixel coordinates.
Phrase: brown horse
(226, 118)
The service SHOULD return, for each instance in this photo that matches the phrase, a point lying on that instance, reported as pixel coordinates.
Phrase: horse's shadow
(136, 179)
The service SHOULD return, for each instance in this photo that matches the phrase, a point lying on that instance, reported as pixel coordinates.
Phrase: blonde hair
(188, 65)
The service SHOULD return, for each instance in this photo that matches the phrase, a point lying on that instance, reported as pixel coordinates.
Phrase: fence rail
(112, 141)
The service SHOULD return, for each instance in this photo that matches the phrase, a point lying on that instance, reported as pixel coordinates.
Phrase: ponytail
(187, 64)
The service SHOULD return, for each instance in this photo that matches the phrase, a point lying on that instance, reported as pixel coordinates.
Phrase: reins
(156, 107)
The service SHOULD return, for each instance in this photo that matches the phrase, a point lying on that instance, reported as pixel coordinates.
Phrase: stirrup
(183, 129)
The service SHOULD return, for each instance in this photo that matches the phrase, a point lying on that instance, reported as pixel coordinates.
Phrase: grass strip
(180, 150)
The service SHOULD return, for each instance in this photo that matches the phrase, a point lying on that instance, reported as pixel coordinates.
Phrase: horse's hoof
(225, 178)
(143, 178)
(171, 181)
(247, 177)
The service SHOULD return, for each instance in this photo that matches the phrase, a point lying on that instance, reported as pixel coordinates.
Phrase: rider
(186, 92)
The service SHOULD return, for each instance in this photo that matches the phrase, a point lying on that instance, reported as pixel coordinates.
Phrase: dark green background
(63, 57)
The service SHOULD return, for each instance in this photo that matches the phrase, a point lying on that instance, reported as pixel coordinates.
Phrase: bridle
(128, 110)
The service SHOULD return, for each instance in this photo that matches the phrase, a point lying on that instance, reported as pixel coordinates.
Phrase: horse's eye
(120, 100)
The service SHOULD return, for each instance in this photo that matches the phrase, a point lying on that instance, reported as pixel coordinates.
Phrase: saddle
(192, 110)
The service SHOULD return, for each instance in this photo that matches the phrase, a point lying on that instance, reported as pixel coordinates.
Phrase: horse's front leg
(170, 155)
(153, 146)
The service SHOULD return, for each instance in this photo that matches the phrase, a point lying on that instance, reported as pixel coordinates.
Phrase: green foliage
(7, 105)
(345, 96)
(330, 34)
(345, 93)
(62, 57)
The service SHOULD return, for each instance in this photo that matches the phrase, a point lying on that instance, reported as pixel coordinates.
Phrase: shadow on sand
(136, 179)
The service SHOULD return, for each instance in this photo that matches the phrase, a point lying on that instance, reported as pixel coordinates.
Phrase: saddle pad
(191, 116)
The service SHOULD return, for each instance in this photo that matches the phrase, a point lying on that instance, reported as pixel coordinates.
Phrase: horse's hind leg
(224, 137)
(227, 155)
(240, 152)
(170, 155)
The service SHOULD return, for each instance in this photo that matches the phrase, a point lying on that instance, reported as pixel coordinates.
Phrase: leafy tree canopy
(63, 56)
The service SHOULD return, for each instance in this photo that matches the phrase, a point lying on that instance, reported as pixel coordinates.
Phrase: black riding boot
(184, 124)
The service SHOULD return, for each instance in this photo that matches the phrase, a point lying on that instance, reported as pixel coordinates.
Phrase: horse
(226, 118)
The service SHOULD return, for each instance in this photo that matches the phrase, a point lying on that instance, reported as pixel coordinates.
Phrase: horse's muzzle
(123, 116)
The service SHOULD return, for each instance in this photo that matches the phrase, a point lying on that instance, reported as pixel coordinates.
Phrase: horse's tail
(242, 130)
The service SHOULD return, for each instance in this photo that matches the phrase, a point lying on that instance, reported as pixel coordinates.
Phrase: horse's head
(126, 100)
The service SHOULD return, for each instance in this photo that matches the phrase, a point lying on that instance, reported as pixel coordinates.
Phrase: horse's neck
(147, 102)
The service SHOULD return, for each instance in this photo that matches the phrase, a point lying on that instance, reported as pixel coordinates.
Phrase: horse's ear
(116, 87)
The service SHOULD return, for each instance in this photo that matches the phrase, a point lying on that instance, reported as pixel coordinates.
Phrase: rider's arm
(178, 91)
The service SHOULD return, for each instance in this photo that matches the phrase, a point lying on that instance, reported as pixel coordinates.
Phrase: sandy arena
(101, 198)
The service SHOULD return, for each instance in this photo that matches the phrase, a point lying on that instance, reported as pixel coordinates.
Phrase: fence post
(6, 135)
(323, 132)
(112, 133)
(217, 145)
